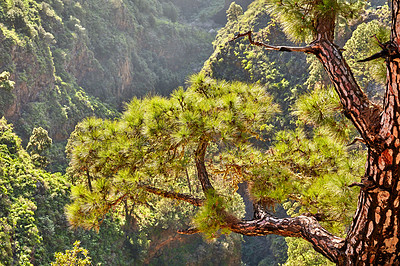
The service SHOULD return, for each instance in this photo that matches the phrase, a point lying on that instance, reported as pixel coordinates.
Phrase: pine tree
(208, 133)
(159, 144)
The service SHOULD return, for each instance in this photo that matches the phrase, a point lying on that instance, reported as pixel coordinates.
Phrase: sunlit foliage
(313, 168)
(78, 256)
(155, 141)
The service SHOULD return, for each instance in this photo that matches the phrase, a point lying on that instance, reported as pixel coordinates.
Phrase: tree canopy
(160, 143)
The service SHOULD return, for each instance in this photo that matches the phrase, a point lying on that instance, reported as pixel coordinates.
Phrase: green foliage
(16, 210)
(282, 73)
(313, 169)
(6, 89)
(155, 142)
(317, 76)
(78, 256)
(5, 83)
(11, 143)
(319, 108)
(6, 251)
(32, 221)
(234, 11)
(21, 16)
(38, 143)
(85, 59)
(370, 75)
(212, 216)
(301, 253)
(299, 19)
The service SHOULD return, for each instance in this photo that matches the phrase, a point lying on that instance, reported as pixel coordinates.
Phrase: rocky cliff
(72, 59)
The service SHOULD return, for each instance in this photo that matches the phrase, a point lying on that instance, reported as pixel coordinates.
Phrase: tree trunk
(374, 237)
(374, 234)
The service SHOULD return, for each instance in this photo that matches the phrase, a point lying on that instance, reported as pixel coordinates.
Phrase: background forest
(64, 60)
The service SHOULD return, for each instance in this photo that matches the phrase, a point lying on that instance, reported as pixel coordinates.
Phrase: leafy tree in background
(78, 256)
(38, 143)
(5, 82)
(6, 88)
(234, 12)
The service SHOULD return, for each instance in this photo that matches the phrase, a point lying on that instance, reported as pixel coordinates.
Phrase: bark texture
(301, 226)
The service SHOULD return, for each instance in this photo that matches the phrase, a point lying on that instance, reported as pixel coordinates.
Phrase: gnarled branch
(300, 226)
(190, 231)
(305, 227)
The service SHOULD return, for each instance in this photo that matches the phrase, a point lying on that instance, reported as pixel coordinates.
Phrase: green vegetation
(63, 61)
(155, 143)
(299, 19)
(32, 218)
(39, 142)
(283, 74)
(34, 226)
(74, 59)
(157, 140)
(73, 257)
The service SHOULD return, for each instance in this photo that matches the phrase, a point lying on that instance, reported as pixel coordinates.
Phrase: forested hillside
(73, 59)
(62, 61)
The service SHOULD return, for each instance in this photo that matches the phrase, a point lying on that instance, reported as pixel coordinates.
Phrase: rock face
(30, 75)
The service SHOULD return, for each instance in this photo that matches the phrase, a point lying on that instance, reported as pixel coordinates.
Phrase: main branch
(305, 227)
